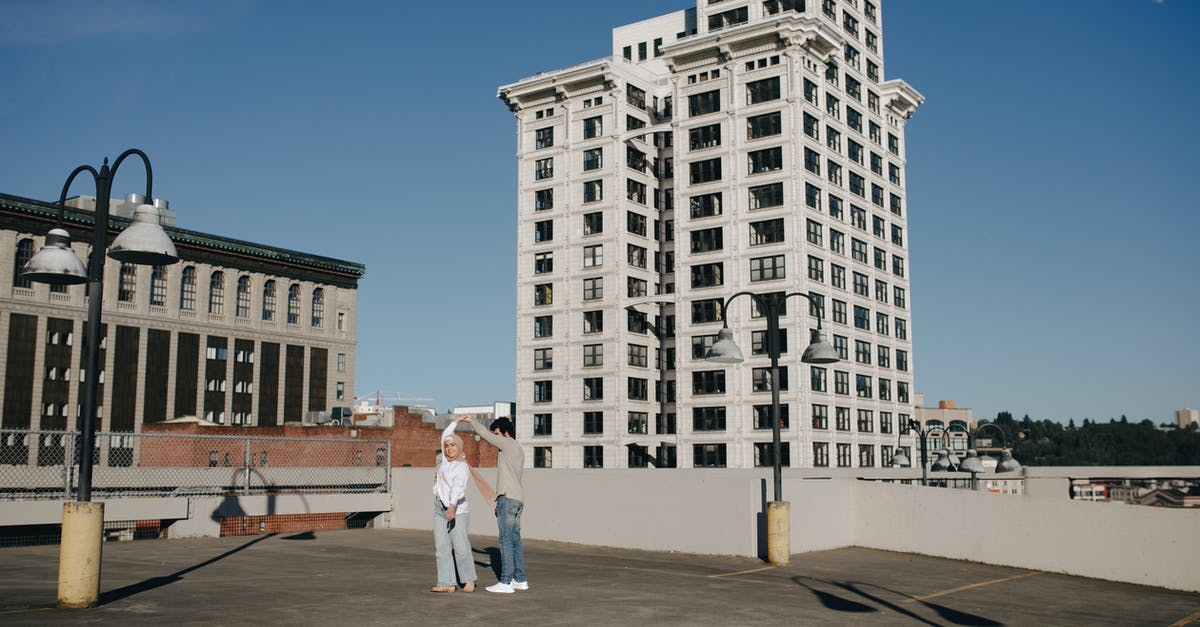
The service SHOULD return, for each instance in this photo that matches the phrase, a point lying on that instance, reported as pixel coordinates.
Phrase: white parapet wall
(720, 512)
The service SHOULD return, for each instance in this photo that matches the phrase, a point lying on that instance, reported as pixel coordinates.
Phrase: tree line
(1115, 443)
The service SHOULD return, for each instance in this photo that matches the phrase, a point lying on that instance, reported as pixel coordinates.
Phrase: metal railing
(36, 464)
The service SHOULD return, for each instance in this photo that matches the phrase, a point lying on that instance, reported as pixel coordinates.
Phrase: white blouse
(450, 484)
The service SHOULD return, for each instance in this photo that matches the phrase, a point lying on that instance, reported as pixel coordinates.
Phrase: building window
(762, 90)
(242, 305)
(866, 421)
(268, 310)
(764, 454)
(543, 168)
(708, 275)
(593, 127)
(293, 313)
(543, 326)
(866, 455)
(543, 358)
(638, 389)
(216, 293)
(760, 379)
(764, 196)
(821, 454)
(706, 310)
(543, 138)
(707, 240)
(708, 382)
(543, 457)
(767, 268)
(767, 160)
(593, 321)
(543, 199)
(708, 455)
(543, 263)
(593, 289)
(902, 360)
(764, 125)
(593, 159)
(704, 137)
(341, 362)
(593, 422)
(638, 422)
(128, 288)
(593, 255)
(766, 232)
(707, 102)
(543, 391)
(705, 205)
(758, 342)
(704, 171)
(593, 223)
(593, 389)
(762, 416)
(635, 223)
(817, 378)
(543, 294)
(863, 386)
(638, 355)
(23, 254)
(843, 455)
(816, 269)
(841, 379)
(812, 161)
(593, 457)
(593, 355)
(543, 424)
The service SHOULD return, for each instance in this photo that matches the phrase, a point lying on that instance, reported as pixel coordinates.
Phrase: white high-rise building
(744, 145)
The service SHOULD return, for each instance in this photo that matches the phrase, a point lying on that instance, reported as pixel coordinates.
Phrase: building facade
(236, 333)
(743, 145)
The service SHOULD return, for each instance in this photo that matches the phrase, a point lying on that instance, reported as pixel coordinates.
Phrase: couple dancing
(451, 511)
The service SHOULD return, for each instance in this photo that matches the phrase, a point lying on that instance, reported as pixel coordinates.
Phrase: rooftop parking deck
(383, 576)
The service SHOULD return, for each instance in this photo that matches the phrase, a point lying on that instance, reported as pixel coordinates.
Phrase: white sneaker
(519, 585)
(501, 587)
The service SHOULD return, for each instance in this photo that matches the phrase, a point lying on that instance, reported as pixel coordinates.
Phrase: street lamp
(725, 351)
(142, 242)
(660, 333)
(946, 458)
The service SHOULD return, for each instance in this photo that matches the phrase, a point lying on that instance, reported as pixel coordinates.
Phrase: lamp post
(142, 242)
(819, 351)
(660, 334)
(947, 459)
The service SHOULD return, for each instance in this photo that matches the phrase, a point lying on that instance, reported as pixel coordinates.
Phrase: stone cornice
(900, 97)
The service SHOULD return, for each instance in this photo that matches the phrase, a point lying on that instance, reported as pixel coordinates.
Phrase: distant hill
(1115, 443)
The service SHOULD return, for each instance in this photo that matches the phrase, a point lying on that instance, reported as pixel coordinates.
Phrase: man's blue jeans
(512, 555)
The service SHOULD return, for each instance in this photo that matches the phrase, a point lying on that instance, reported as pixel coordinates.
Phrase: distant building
(957, 422)
(1187, 417)
(236, 333)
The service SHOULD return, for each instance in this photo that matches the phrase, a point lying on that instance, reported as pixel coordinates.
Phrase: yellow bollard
(79, 554)
(779, 533)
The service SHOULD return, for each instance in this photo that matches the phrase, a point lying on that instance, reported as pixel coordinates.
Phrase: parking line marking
(968, 587)
(1186, 621)
(742, 572)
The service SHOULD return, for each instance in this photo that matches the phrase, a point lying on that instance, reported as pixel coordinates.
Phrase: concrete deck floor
(382, 577)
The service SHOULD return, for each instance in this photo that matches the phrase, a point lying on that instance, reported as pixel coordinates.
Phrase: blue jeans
(453, 547)
(512, 555)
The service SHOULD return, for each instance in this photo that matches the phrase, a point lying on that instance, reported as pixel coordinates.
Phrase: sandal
(442, 589)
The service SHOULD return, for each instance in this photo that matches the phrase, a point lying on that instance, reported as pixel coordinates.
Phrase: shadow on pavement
(837, 603)
(493, 562)
(158, 582)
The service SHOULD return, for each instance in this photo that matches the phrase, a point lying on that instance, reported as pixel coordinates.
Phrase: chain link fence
(45, 465)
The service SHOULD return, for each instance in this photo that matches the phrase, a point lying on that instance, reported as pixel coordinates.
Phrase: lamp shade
(144, 241)
(952, 458)
(899, 459)
(943, 460)
(724, 350)
(972, 463)
(55, 263)
(819, 351)
(1007, 463)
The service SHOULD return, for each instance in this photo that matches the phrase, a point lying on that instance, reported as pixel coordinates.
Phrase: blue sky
(1053, 222)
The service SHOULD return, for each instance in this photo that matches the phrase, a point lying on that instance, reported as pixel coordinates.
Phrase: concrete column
(79, 555)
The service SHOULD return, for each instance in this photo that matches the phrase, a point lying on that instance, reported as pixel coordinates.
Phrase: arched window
(243, 297)
(128, 286)
(187, 291)
(268, 312)
(294, 304)
(318, 307)
(24, 254)
(216, 293)
(158, 286)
